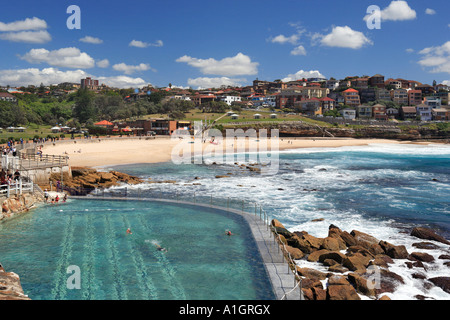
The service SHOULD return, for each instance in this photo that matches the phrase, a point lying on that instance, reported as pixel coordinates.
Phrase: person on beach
(46, 195)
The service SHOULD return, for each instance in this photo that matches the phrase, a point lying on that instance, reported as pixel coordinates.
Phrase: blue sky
(201, 43)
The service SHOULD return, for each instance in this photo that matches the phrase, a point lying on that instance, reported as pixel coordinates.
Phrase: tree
(84, 107)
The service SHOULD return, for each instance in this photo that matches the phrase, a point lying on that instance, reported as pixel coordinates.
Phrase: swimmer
(228, 233)
(129, 231)
(159, 248)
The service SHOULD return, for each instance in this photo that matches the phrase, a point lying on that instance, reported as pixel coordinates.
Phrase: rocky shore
(18, 204)
(358, 264)
(85, 178)
(10, 287)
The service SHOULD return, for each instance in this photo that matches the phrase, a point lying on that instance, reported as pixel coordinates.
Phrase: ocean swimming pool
(201, 263)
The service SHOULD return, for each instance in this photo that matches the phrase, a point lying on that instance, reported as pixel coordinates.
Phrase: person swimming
(129, 231)
(228, 233)
(159, 248)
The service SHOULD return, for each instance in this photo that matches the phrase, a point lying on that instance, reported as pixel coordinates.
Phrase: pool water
(201, 263)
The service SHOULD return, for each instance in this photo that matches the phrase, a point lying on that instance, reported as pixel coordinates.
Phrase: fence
(230, 204)
(16, 187)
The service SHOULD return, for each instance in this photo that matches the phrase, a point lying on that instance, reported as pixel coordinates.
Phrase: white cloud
(283, 39)
(141, 44)
(48, 76)
(344, 37)
(303, 74)
(446, 82)
(409, 50)
(430, 11)
(128, 69)
(436, 58)
(66, 58)
(123, 82)
(103, 63)
(92, 40)
(205, 82)
(34, 76)
(22, 25)
(41, 36)
(299, 51)
(397, 11)
(231, 66)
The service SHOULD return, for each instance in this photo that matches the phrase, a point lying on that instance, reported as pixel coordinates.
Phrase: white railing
(16, 187)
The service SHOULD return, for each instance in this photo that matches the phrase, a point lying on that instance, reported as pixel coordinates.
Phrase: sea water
(381, 189)
(201, 262)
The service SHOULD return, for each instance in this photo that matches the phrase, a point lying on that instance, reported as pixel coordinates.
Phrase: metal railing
(228, 203)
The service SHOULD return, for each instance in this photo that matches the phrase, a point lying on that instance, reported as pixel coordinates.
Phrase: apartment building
(414, 97)
(400, 96)
(351, 97)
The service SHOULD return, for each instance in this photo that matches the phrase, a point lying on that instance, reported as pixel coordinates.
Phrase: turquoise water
(201, 262)
(383, 189)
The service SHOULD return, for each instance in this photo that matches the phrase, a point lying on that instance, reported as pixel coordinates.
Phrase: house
(310, 107)
(360, 83)
(379, 112)
(348, 114)
(229, 99)
(364, 111)
(424, 112)
(332, 84)
(288, 97)
(392, 113)
(400, 96)
(377, 81)
(351, 97)
(433, 102)
(199, 99)
(367, 95)
(439, 114)
(408, 113)
(382, 94)
(426, 89)
(5, 96)
(327, 104)
(414, 97)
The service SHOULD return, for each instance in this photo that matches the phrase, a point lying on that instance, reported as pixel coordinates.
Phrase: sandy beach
(108, 152)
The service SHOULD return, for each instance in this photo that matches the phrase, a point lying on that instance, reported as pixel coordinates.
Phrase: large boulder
(295, 253)
(367, 241)
(10, 287)
(442, 282)
(333, 255)
(357, 262)
(422, 256)
(342, 292)
(428, 234)
(361, 284)
(395, 252)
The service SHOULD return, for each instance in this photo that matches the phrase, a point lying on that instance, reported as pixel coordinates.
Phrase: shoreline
(101, 153)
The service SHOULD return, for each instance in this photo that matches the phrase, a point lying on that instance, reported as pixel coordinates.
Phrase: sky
(203, 44)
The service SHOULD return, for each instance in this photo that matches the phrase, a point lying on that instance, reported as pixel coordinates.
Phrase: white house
(349, 114)
(229, 99)
(424, 112)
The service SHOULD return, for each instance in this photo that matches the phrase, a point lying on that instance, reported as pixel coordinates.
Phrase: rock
(388, 281)
(315, 243)
(417, 264)
(295, 253)
(311, 273)
(338, 268)
(334, 255)
(422, 256)
(384, 298)
(442, 282)
(319, 293)
(106, 176)
(284, 232)
(357, 263)
(381, 261)
(395, 252)
(348, 238)
(444, 257)
(314, 256)
(308, 294)
(337, 280)
(363, 239)
(277, 224)
(318, 220)
(425, 245)
(361, 284)
(330, 243)
(342, 292)
(428, 234)
(10, 287)
(309, 283)
(222, 176)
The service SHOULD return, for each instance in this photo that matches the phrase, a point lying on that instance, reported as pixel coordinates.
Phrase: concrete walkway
(281, 277)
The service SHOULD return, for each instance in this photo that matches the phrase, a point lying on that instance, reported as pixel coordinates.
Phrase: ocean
(382, 189)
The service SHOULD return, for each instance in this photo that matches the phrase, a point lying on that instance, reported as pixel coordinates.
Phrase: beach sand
(108, 152)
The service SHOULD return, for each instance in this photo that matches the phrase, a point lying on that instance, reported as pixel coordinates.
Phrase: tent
(257, 116)
(56, 129)
(104, 123)
(273, 115)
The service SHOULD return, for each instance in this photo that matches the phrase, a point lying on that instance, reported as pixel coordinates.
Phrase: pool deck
(281, 277)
